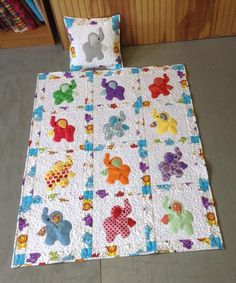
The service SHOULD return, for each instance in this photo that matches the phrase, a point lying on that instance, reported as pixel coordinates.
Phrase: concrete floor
(212, 75)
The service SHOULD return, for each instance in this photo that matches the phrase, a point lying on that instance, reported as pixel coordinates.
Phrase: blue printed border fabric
(94, 43)
(115, 167)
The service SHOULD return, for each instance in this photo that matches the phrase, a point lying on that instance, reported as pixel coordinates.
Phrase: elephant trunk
(106, 159)
(165, 204)
(73, 84)
(104, 83)
(53, 121)
(101, 34)
(44, 216)
(122, 116)
(154, 113)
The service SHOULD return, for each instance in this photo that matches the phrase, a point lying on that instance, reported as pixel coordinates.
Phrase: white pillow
(94, 43)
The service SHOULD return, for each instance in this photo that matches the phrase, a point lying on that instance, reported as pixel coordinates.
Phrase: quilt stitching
(125, 168)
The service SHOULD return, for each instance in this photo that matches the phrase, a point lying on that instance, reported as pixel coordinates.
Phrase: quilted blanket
(115, 167)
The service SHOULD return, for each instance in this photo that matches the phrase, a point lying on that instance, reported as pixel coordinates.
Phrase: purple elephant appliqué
(112, 90)
(172, 166)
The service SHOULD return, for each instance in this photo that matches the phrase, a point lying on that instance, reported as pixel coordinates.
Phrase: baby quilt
(115, 167)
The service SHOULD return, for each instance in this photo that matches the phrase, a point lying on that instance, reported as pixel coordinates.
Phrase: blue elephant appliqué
(57, 229)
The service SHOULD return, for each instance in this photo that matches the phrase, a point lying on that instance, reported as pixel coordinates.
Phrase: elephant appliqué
(56, 228)
(115, 170)
(93, 47)
(60, 174)
(177, 217)
(172, 165)
(65, 93)
(118, 223)
(62, 130)
(115, 126)
(160, 86)
(112, 90)
(164, 123)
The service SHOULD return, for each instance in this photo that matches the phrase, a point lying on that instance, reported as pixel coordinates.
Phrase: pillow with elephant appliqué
(94, 43)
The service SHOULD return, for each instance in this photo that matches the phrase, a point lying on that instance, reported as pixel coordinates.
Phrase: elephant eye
(48, 219)
(98, 38)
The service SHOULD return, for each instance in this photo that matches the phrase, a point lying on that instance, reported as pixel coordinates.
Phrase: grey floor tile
(18, 70)
(212, 75)
(211, 67)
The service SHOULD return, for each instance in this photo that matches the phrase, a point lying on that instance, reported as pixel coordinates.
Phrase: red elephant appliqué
(160, 86)
(118, 223)
(62, 130)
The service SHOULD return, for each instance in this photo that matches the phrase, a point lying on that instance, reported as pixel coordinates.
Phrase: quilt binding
(213, 242)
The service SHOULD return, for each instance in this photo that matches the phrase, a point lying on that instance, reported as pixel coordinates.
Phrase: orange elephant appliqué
(116, 170)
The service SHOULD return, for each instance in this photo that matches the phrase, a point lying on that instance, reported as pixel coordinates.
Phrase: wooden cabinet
(41, 36)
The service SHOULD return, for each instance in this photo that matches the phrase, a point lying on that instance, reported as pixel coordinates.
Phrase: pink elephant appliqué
(118, 223)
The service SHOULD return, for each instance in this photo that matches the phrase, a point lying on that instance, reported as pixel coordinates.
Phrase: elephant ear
(125, 127)
(112, 84)
(56, 218)
(154, 113)
(116, 162)
(177, 207)
(65, 87)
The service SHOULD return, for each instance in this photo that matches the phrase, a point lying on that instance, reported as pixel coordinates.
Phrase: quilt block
(115, 167)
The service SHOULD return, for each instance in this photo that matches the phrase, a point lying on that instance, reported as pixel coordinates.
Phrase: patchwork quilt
(115, 167)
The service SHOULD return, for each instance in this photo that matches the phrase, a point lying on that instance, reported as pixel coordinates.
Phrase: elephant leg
(120, 133)
(58, 101)
(109, 95)
(56, 138)
(108, 132)
(57, 97)
(88, 52)
(110, 179)
(64, 239)
(188, 228)
(172, 130)
(124, 232)
(69, 133)
(124, 180)
(110, 238)
(69, 99)
(100, 55)
(110, 230)
(64, 182)
(50, 239)
(173, 228)
(161, 130)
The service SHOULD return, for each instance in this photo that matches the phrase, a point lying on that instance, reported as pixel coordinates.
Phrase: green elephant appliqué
(177, 217)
